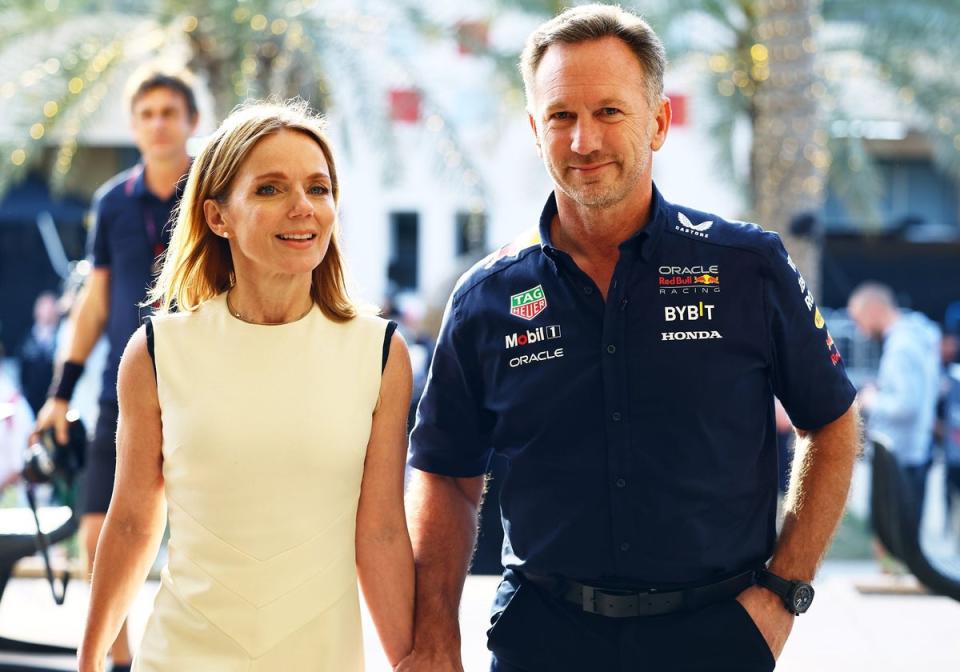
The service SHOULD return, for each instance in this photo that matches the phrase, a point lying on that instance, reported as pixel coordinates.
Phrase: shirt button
(621, 483)
(587, 289)
(624, 546)
(611, 349)
(615, 416)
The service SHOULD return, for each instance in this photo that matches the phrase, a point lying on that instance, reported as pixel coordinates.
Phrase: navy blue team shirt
(638, 431)
(130, 230)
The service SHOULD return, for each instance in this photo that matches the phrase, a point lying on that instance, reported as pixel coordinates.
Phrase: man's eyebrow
(605, 102)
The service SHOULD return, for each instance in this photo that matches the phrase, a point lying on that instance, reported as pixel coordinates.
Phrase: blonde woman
(266, 417)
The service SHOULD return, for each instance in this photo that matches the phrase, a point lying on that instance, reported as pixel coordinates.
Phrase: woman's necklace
(237, 314)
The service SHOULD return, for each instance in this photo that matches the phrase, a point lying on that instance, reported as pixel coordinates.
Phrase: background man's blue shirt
(639, 431)
(908, 384)
(129, 225)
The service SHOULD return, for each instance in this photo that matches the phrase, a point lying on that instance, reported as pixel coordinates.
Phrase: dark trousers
(916, 478)
(101, 463)
(540, 632)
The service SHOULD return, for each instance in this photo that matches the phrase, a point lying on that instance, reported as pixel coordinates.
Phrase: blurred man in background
(38, 350)
(901, 403)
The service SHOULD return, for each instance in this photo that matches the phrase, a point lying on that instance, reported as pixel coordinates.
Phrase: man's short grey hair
(594, 22)
(872, 292)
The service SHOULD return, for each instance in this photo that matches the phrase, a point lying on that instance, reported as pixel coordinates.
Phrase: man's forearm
(88, 318)
(443, 527)
(822, 467)
(83, 331)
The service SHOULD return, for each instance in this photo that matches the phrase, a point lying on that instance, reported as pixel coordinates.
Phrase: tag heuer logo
(528, 304)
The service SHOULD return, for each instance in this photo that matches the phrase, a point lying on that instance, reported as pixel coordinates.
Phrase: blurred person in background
(16, 423)
(38, 350)
(130, 231)
(266, 415)
(410, 310)
(901, 403)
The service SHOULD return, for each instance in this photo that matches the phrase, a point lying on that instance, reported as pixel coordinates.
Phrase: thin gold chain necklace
(237, 314)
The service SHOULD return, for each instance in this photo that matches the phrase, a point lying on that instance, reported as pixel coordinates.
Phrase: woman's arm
(134, 523)
(384, 555)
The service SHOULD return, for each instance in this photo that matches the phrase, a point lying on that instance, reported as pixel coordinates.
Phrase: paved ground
(846, 630)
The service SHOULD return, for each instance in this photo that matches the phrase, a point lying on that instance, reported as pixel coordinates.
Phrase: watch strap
(771, 581)
(788, 591)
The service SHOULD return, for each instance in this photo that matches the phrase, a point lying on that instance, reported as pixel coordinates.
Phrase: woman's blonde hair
(197, 264)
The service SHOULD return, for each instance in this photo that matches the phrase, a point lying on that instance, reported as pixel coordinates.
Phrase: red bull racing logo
(689, 279)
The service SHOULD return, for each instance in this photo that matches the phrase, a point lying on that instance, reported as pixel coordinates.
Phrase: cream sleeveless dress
(265, 430)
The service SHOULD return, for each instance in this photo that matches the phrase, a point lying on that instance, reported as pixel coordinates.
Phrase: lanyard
(154, 237)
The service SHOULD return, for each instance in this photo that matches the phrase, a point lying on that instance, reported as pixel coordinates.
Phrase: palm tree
(788, 163)
(784, 65)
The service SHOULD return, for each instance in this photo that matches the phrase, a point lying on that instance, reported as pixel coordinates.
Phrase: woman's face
(280, 213)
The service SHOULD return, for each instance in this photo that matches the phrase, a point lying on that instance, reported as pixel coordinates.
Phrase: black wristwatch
(796, 595)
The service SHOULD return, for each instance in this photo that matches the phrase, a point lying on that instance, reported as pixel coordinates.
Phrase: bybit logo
(688, 313)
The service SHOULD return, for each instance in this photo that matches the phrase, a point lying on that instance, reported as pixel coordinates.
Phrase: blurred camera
(47, 460)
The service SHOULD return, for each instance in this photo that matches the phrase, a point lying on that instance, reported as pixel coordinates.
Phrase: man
(37, 351)
(901, 404)
(625, 362)
(131, 228)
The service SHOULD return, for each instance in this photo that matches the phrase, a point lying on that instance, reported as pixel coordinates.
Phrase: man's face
(864, 316)
(161, 124)
(595, 128)
(45, 311)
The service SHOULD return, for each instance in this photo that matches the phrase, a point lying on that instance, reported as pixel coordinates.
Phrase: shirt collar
(140, 185)
(139, 189)
(643, 241)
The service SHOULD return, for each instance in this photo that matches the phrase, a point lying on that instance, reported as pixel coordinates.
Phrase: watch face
(801, 597)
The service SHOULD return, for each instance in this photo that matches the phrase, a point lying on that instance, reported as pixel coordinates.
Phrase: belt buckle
(620, 603)
(588, 598)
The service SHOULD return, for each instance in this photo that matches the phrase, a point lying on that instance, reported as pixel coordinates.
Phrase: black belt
(626, 603)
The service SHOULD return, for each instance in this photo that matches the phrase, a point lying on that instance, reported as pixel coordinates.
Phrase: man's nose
(587, 136)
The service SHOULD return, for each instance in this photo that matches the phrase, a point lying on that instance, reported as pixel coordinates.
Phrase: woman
(267, 418)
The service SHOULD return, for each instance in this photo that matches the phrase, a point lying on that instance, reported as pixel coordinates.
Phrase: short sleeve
(452, 433)
(98, 247)
(808, 373)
